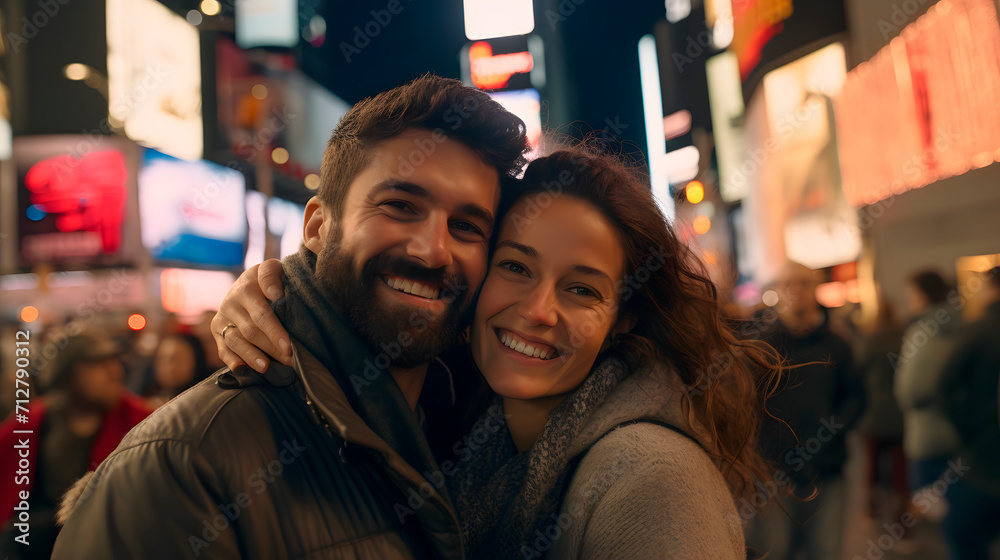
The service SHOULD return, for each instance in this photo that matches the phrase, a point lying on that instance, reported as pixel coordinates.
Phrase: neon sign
(906, 121)
(83, 195)
(493, 71)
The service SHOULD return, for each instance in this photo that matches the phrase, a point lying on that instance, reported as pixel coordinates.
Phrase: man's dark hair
(931, 284)
(430, 102)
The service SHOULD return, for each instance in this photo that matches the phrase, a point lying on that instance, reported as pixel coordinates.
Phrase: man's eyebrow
(389, 185)
(530, 251)
(479, 212)
(397, 185)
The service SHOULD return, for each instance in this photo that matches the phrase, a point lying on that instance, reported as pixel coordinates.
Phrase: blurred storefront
(920, 138)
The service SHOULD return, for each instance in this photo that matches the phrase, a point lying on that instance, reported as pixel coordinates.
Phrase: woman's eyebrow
(583, 269)
(529, 251)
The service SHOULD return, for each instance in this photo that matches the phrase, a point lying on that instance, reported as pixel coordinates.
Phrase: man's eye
(467, 226)
(398, 205)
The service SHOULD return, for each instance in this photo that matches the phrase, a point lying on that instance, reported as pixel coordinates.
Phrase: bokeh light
(29, 314)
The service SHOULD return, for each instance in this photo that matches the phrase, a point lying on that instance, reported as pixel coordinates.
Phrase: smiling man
(325, 457)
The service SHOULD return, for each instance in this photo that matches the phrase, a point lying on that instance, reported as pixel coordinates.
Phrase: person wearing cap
(83, 415)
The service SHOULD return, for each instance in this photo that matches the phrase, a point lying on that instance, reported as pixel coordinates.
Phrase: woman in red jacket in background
(83, 415)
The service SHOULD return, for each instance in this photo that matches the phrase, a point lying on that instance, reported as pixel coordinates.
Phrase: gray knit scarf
(503, 496)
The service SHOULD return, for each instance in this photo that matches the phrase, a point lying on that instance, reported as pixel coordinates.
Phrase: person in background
(881, 425)
(202, 330)
(179, 365)
(83, 415)
(818, 401)
(929, 437)
(971, 382)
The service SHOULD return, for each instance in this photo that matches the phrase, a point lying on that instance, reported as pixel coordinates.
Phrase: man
(972, 375)
(813, 408)
(326, 458)
(929, 437)
(84, 413)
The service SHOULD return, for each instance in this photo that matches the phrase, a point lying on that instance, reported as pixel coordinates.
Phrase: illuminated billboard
(193, 212)
(154, 77)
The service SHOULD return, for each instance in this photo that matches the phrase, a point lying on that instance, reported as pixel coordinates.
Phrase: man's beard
(408, 336)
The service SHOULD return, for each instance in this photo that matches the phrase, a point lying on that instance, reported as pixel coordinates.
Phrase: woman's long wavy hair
(677, 306)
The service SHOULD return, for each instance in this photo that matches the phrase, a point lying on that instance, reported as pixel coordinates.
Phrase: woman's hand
(258, 333)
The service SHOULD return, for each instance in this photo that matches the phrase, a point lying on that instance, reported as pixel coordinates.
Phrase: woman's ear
(316, 223)
(626, 322)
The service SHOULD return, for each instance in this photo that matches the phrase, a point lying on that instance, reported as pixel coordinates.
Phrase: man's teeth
(415, 288)
(526, 349)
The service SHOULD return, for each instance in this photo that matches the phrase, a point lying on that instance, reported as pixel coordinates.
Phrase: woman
(630, 410)
(179, 365)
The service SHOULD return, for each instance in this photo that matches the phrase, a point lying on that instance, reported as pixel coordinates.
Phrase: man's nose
(431, 243)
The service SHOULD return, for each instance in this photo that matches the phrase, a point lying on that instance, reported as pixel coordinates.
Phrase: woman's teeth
(414, 288)
(526, 349)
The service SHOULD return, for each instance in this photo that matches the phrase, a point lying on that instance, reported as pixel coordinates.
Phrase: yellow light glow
(259, 91)
(76, 71)
(702, 224)
(312, 181)
(695, 192)
(210, 7)
(29, 313)
(279, 156)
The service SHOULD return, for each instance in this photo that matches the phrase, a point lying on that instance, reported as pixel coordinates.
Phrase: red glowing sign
(83, 195)
(908, 118)
(755, 23)
(493, 71)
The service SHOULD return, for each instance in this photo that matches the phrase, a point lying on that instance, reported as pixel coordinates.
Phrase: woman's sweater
(639, 489)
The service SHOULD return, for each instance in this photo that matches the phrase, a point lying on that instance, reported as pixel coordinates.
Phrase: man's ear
(315, 225)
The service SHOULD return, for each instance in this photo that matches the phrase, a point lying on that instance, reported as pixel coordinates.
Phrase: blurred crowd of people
(91, 387)
(922, 396)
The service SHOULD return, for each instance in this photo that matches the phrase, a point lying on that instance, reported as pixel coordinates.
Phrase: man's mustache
(448, 281)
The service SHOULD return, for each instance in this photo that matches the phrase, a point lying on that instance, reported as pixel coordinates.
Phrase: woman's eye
(584, 291)
(513, 267)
